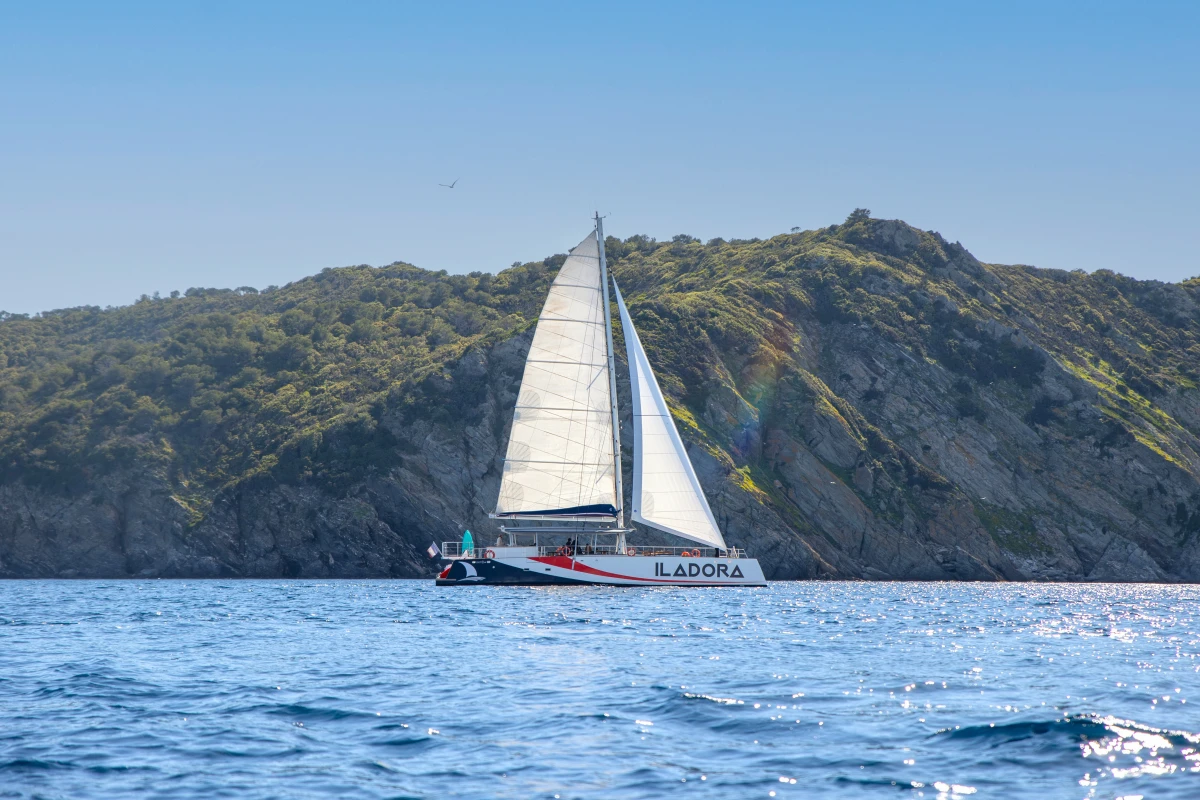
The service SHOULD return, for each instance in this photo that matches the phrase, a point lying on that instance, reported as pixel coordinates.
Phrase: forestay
(560, 452)
(666, 493)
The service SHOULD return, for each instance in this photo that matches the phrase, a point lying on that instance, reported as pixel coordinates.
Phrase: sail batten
(666, 492)
(560, 461)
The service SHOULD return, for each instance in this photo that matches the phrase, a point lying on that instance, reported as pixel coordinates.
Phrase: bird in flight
(449, 185)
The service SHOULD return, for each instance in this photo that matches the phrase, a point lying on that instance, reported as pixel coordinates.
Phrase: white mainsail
(560, 452)
(666, 493)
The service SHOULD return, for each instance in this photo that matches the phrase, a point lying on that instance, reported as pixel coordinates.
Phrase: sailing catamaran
(560, 492)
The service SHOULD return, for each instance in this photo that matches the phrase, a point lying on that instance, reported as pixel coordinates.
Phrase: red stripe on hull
(568, 563)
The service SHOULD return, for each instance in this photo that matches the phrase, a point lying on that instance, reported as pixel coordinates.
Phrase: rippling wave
(395, 689)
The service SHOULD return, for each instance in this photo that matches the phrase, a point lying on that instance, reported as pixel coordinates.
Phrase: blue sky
(159, 146)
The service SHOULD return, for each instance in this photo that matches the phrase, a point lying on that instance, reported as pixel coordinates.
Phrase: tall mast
(612, 374)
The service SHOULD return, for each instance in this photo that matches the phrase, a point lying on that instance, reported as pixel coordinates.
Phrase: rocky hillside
(863, 401)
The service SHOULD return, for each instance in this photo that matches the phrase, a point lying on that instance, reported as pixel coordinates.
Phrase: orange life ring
(631, 551)
(489, 553)
(686, 554)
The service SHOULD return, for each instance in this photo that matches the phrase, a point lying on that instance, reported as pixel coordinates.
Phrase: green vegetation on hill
(218, 385)
(1134, 340)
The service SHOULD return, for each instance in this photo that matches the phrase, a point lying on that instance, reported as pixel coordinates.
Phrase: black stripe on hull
(494, 573)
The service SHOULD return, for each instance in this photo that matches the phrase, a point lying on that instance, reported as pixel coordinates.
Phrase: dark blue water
(385, 689)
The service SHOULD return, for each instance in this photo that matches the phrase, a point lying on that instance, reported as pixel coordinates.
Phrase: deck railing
(455, 550)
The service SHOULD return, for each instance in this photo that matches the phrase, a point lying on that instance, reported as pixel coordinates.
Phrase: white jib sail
(666, 493)
(560, 452)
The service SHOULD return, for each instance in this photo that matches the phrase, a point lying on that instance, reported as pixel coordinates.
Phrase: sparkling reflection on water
(383, 689)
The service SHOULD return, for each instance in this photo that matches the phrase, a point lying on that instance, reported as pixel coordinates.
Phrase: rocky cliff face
(865, 401)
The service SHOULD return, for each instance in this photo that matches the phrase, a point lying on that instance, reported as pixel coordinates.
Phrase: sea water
(388, 689)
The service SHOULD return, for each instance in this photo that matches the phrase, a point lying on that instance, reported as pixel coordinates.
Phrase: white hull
(602, 570)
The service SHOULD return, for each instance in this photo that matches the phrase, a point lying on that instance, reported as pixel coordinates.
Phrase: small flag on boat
(433, 550)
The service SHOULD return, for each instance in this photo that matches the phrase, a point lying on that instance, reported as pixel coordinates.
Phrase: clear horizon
(149, 148)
